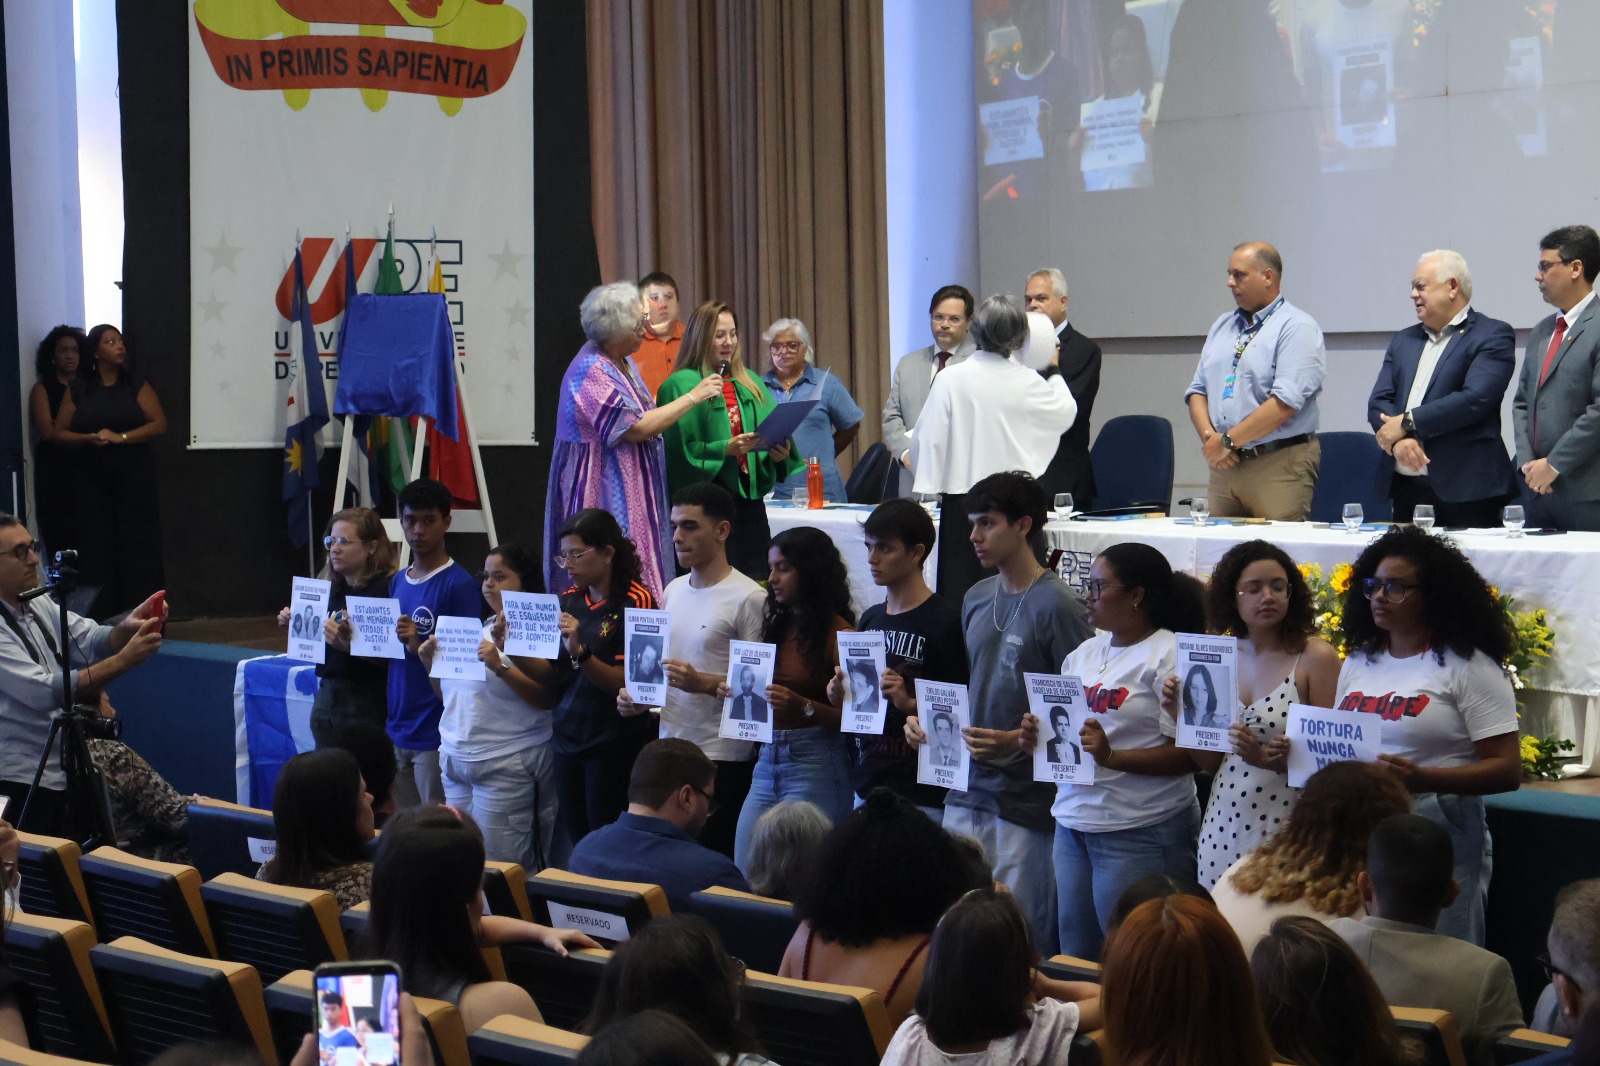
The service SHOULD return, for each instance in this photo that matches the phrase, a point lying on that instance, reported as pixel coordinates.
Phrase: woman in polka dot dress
(1257, 595)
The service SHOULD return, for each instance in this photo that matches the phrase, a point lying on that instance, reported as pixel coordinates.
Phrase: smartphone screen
(5, 801)
(357, 1014)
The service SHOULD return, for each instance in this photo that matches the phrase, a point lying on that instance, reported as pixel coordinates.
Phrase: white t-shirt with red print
(1432, 713)
(1123, 690)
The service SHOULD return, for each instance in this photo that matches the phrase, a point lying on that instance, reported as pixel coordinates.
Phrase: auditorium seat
(154, 901)
(353, 923)
(870, 478)
(274, 928)
(1133, 462)
(51, 955)
(563, 988)
(754, 928)
(156, 998)
(446, 1032)
(1522, 1044)
(808, 1023)
(1349, 474)
(220, 834)
(52, 878)
(512, 1041)
(505, 887)
(291, 1012)
(1438, 1032)
(17, 1055)
(1070, 968)
(606, 906)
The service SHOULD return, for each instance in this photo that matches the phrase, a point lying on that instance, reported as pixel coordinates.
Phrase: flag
(450, 461)
(361, 472)
(307, 414)
(386, 436)
(399, 359)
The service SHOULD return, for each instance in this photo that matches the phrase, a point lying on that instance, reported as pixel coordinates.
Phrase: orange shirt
(656, 356)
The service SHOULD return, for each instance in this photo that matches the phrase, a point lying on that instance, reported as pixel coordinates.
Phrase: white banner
(301, 120)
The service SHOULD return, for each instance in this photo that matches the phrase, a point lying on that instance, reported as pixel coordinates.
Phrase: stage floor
(261, 632)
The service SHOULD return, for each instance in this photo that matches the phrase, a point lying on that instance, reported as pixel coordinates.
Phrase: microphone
(724, 368)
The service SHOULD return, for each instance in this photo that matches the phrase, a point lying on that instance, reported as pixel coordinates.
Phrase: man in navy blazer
(1436, 404)
(1557, 409)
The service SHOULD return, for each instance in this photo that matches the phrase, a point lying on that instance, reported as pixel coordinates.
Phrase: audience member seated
(1154, 886)
(322, 815)
(981, 1000)
(1321, 1005)
(427, 916)
(784, 846)
(1176, 989)
(881, 880)
(678, 964)
(1572, 961)
(1406, 886)
(671, 793)
(374, 753)
(1310, 866)
(152, 817)
(651, 1038)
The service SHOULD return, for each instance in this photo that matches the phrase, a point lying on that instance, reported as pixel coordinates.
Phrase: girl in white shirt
(1428, 646)
(1140, 816)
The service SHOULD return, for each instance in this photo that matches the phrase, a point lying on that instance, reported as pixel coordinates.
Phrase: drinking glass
(1063, 506)
(1200, 510)
(1422, 517)
(1352, 517)
(1513, 519)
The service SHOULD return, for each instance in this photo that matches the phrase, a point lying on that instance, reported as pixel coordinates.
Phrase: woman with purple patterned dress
(609, 452)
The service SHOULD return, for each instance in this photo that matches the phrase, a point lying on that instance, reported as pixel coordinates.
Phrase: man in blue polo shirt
(671, 793)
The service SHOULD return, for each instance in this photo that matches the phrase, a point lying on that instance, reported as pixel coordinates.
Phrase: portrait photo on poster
(1208, 690)
(645, 649)
(944, 760)
(308, 610)
(862, 659)
(746, 714)
(1057, 702)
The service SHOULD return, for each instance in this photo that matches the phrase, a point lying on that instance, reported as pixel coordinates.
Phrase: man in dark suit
(1557, 409)
(1070, 470)
(747, 706)
(1436, 404)
(1062, 749)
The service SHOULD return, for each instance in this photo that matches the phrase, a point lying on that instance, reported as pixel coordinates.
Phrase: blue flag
(307, 414)
(399, 359)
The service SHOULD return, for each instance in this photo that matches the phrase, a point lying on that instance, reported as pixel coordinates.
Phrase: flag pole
(311, 542)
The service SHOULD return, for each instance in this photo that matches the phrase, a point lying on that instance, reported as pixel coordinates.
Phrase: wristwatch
(503, 669)
(810, 710)
(1227, 442)
(582, 657)
(1407, 426)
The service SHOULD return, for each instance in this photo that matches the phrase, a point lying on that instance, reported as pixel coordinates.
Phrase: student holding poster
(1258, 596)
(352, 693)
(1140, 815)
(1428, 647)
(808, 601)
(494, 735)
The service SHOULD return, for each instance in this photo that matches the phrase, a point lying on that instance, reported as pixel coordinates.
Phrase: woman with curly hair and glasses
(808, 601)
(1257, 594)
(1429, 644)
(1310, 866)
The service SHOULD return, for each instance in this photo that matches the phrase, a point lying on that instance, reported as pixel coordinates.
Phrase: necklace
(994, 603)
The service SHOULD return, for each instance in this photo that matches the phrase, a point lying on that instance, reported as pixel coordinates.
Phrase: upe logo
(474, 49)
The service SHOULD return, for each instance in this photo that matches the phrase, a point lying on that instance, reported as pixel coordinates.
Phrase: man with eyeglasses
(30, 677)
(949, 316)
(1253, 400)
(1557, 408)
(671, 793)
(1572, 965)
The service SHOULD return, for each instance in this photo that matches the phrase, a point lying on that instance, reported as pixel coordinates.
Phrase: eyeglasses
(738, 968)
(1277, 588)
(1092, 588)
(21, 552)
(712, 803)
(1549, 264)
(1390, 591)
(792, 347)
(563, 559)
(343, 542)
(1551, 972)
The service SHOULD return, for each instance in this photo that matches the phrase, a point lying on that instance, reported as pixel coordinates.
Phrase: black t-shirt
(585, 717)
(369, 673)
(925, 642)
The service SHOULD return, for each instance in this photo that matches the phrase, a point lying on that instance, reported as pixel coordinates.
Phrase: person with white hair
(1436, 404)
(609, 452)
(1079, 359)
(827, 431)
(985, 415)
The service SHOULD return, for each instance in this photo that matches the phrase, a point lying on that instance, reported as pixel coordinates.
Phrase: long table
(1557, 573)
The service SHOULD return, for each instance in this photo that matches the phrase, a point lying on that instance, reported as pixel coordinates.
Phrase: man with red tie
(950, 316)
(1557, 408)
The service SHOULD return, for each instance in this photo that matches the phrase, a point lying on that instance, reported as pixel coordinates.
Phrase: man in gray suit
(1557, 409)
(950, 314)
(1406, 885)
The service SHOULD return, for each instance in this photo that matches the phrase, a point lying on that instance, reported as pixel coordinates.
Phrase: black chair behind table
(65, 1014)
(512, 1041)
(155, 901)
(1133, 463)
(52, 878)
(806, 1023)
(754, 928)
(870, 478)
(1349, 475)
(564, 988)
(220, 834)
(274, 928)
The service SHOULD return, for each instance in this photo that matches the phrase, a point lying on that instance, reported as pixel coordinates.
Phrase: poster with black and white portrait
(746, 715)
(1057, 701)
(1208, 691)
(944, 760)
(862, 658)
(644, 651)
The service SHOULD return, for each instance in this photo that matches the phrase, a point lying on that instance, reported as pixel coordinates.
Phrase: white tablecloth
(842, 522)
(1557, 573)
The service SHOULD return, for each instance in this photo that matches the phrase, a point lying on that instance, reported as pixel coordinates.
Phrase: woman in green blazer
(716, 441)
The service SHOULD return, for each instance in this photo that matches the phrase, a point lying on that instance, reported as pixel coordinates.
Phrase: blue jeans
(799, 764)
(1463, 818)
(1021, 859)
(513, 799)
(1094, 869)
